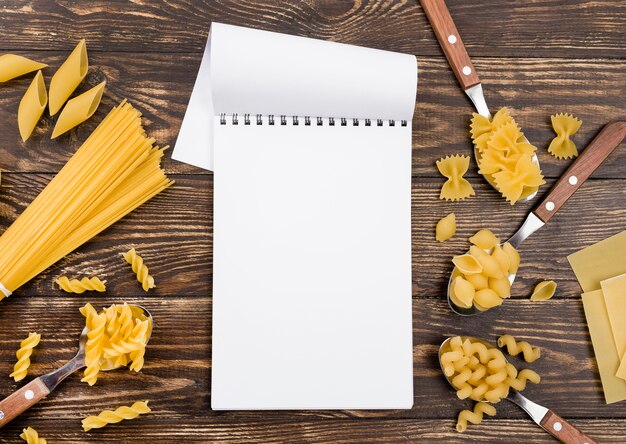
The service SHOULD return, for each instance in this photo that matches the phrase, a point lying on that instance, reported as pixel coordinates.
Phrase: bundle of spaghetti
(115, 170)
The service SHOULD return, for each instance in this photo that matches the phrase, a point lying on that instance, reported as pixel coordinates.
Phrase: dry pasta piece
(446, 228)
(514, 257)
(140, 269)
(456, 187)
(481, 127)
(487, 298)
(512, 183)
(491, 267)
(501, 286)
(501, 258)
(564, 125)
(543, 291)
(519, 383)
(23, 354)
(80, 286)
(514, 348)
(31, 107)
(68, 77)
(475, 417)
(96, 338)
(467, 264)
(31, 436)
(484, 239)
(114, 416)
(12, 66)
(479, 280)
(78, 109)
(463, 291)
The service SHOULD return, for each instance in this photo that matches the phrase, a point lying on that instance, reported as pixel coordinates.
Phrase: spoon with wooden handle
(589, 160)
(459, 60)
(545, 418)
(37, 389)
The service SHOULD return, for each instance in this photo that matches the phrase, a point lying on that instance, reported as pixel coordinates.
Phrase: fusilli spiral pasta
(116, 337)
(31, 436)
(140, 269)
(514, 348)
(20, 370)
(475, 417)
(82, 285)
(114, 416)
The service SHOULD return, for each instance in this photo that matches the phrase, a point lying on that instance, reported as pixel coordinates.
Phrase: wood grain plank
(593, 90)
(177, 372)
(329, 431)
(174, 234)
(489, 28)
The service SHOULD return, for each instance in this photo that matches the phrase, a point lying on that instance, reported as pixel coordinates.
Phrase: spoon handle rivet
(1, 415)
(29, 394)
(573, 180)
(550, 206)
(557, 426)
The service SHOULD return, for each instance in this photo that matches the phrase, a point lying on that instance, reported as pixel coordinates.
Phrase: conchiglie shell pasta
(491, 267)
(464, 291)
(484, 239)
(32, 106)
(501, 286)
(78, 110)
(502, 258)
(446, 228)
(12, 66)
(467, 264)
(487, 298)
(543, 291)
(68, 77)
(479, 280)
(514, 258)
(477, 252)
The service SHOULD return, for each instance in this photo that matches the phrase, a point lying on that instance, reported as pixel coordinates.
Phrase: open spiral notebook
(310, 144)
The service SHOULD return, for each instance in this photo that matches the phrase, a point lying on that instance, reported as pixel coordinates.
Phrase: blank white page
(312, 267)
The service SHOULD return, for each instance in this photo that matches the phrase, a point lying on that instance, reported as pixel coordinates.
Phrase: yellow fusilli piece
(114, 416)
(20, 370)
(475, 417)
(80, 286)
(519, 383)
(514, 348)
(31, 436)
(564, 125)
(456, 187)
(96, 339)
(140, 269)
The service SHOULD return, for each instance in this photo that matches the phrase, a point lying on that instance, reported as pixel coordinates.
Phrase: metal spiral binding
(295, 120)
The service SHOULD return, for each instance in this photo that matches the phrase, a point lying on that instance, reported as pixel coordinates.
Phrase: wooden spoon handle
(563, 430)
(23, 399)
(589, 160)
(450, 41)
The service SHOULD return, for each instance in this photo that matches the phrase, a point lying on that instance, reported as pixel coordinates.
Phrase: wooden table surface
(537, 57)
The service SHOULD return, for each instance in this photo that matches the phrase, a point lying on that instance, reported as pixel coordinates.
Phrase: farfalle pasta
(481, 373)
(78, 109)
(446, 228)
(543, 291)
(456, 187)
(31, 436)
(514, 348)
(504, 155)
(481, 276)
(12, 66)
(32, 106)
(116, 337)
(114, 416)
(23, 354)
(565, 126)
(68, 77)
(80, 286)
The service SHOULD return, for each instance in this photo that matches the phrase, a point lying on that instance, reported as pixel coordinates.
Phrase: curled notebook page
(248, 71)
